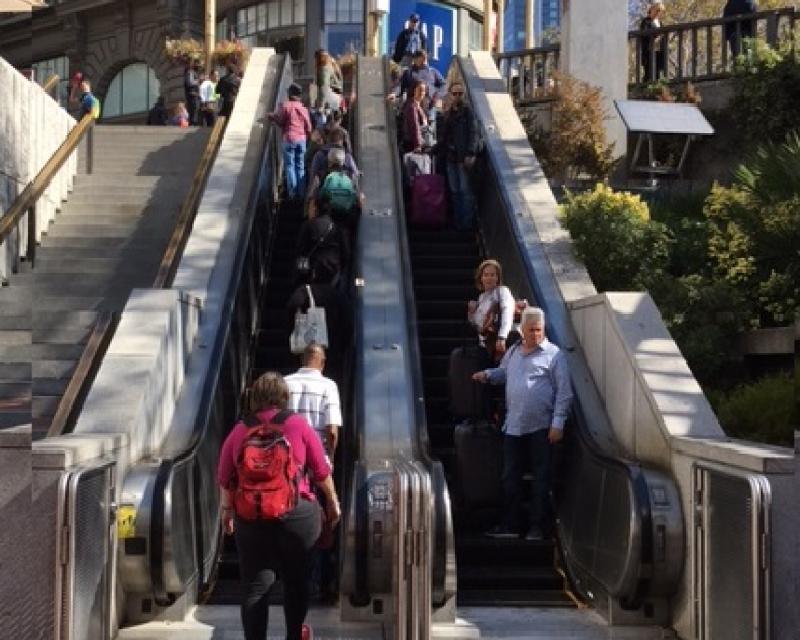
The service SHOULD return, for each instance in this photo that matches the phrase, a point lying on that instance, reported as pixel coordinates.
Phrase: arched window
(133, 90)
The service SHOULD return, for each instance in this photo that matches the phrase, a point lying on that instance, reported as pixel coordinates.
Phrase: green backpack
(339, 190)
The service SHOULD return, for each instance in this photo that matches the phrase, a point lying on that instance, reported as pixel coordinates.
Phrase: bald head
(314, 356)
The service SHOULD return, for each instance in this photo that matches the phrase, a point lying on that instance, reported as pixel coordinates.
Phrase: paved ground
(222, 623)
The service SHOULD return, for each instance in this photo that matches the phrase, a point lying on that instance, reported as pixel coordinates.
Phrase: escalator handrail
(439, 553)
(168, 464)
(631, 468)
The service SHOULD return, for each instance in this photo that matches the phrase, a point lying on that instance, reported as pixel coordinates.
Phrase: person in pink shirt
(278, 546)
(293, 119)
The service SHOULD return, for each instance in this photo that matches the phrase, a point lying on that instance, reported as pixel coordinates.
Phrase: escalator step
(474, 548)
(443, 250)
(448, 236)
(447, 275)
(445, 292)
(468, 262)
(442, 309)
(446, 329)
(512, 598)
(439, 346)
(518, 577)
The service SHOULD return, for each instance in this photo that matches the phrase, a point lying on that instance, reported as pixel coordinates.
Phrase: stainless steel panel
(732, 568)
(84, 553)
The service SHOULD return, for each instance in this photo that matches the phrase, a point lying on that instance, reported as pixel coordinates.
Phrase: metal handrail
(190, 452)
(423, 446)
(26, 201)
(71, 402)
(51, 83)
(183, 226)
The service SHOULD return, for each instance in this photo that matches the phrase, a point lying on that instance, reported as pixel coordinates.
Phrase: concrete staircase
(108, 239)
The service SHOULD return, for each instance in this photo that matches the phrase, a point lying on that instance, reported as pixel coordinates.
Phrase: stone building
(117, 44)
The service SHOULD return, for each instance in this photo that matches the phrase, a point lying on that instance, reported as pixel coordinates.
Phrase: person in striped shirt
(316, 397)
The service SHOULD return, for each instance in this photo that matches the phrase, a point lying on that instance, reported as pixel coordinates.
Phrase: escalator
(510, 572)
(271, 354)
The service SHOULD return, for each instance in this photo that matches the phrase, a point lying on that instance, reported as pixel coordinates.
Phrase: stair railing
(23, 211)
(183, 227)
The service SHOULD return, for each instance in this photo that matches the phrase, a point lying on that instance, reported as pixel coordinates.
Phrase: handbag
(302, 264)
(309, 326)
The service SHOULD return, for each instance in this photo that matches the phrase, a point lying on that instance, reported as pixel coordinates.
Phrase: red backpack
(267, 474)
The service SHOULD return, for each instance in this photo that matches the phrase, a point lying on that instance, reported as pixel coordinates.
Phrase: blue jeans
(461, 194)
(517, 450)
(294, 166)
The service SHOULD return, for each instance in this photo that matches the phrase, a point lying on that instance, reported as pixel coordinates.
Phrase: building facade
(118, 45)
(546, 23)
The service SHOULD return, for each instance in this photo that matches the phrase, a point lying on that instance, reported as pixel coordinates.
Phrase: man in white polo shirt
(316, 397)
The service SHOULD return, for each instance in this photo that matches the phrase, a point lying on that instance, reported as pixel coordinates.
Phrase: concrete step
(120, 229)
(90, 200)
(98, 181)
(86, 245)
(18, 322)
(16, 372)
(66, 334)
(15, 394)
(45, 321)
(49, 386)
(133, 249)
(33, 352)
(44, 406)
(112, 210)
(87, 265)
(10, 419)
(10, 337)
(52, 369)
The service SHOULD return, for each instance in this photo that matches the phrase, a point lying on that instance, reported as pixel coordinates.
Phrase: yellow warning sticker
(126, 521)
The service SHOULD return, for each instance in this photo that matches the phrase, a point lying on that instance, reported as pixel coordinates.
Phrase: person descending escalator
(538, 397)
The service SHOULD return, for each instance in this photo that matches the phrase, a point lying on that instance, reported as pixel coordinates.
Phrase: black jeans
(271, 548)
(517, 450)
(193, 107)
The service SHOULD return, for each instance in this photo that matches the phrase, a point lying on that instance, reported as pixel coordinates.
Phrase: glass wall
(44, 69)
(132, 90)
(276, 23)
(344, 26)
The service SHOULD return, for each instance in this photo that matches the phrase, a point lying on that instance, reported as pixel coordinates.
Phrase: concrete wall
(655, 407)
(32, 126)
(594, 48)
(128, 413)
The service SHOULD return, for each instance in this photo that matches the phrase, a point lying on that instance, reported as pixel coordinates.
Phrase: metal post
(210, 24)
(30, 254)
(90, 149)
(501, 13)
(487, 25)
(530, 32)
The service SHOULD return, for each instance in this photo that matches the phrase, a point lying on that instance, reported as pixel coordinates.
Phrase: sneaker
(534, 534)
(501, 532)
(307, 633)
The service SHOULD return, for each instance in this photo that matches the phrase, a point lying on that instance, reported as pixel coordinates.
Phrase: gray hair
(336, 158)
(532, 314)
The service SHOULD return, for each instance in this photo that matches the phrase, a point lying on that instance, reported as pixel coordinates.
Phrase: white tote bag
(309, 327)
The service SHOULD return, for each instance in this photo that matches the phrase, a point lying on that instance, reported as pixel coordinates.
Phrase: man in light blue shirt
(538, 397)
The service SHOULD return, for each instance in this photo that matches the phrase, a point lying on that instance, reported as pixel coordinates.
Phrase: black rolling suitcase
(479, 461)
(468, 399)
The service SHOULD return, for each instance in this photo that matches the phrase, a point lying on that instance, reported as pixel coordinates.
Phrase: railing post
(772, 29)
(90, 149)
(30, 254)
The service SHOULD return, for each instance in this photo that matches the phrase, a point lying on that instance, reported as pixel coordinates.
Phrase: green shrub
(683, 217)
(614, 237)
(763, 411)
(767, 92)
(704, 316)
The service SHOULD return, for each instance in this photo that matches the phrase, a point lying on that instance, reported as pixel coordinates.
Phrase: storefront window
(132, 90)
(344, 29)
(277, 23)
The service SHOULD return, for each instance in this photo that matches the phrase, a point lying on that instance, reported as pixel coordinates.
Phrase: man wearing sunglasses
(458, 144)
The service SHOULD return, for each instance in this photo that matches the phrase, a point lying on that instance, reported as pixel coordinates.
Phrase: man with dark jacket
(228, 89)
(410, 40)
(735, 32)
(458, 145)
(191, 90)
(158, 114)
